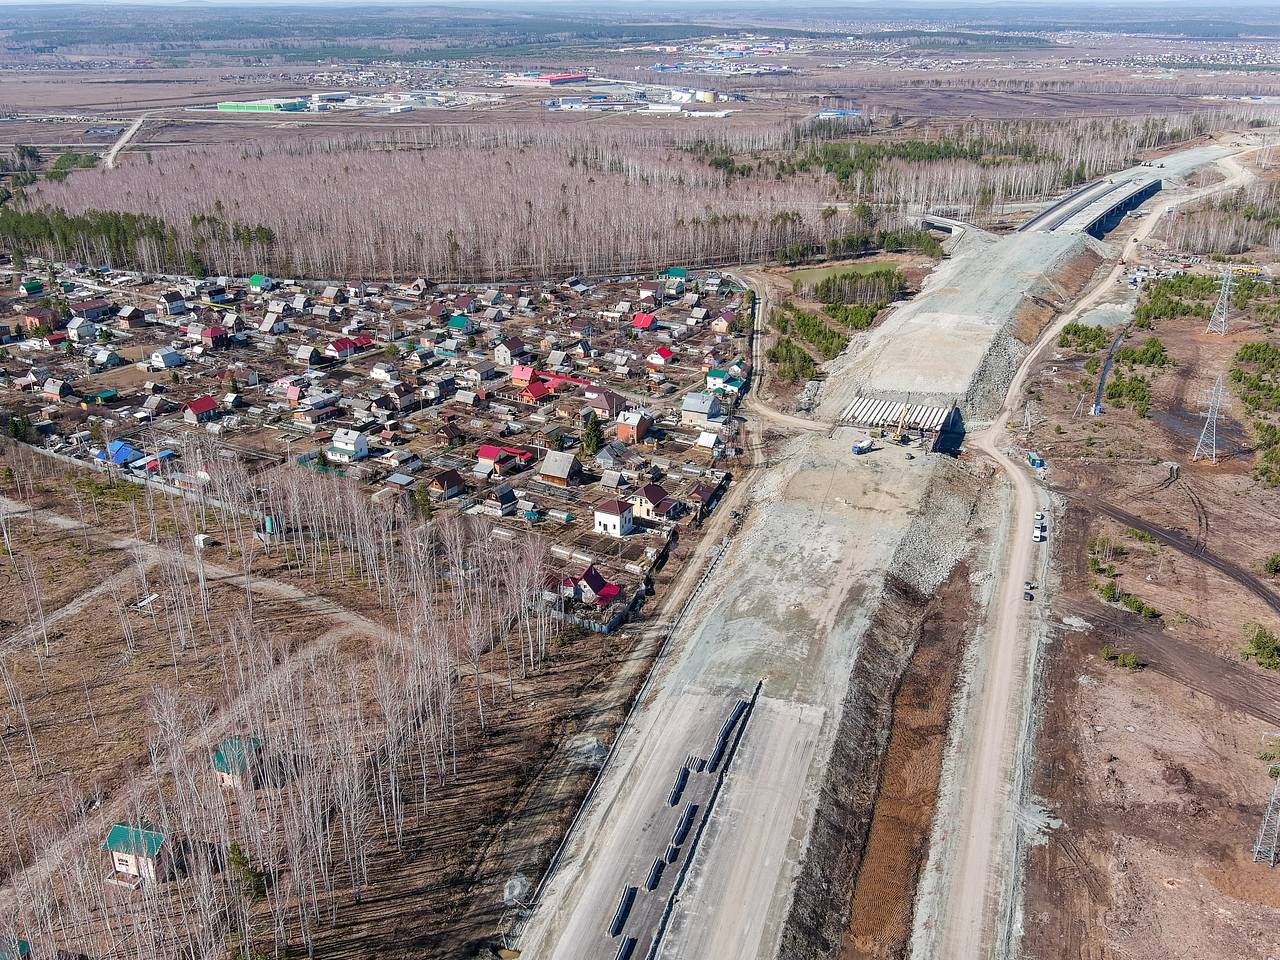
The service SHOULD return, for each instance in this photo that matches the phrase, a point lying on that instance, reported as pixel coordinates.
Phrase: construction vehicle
(861, 447)
(898, 436)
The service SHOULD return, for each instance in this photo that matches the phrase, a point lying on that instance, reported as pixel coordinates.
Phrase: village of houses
(598, 413)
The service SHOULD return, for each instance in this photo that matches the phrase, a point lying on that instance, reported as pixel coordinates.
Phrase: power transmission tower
(1218, 323)
(1028, 417)
(1216, 403)
(1079, 408)
(1266, 849)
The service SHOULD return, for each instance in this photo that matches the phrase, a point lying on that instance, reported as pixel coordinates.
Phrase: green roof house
(675, 273)
(259, 283)
(32, 287)
(137, 854)
(234, 760)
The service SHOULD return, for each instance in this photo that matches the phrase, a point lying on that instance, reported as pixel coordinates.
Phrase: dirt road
(752, 402)
(1249, 581)
(977, 888)
(123, 140)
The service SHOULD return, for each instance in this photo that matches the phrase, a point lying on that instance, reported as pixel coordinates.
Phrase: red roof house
(643, 321)
(660, 357)
(535, 391)
(596, 589)
(341, 349)
(200, 409)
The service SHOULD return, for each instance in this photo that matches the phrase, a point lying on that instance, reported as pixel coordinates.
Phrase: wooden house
(137, 855)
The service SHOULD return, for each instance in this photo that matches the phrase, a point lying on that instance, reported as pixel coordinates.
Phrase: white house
(81, 330)
(700, 410)
(173, 303)
(348, 446)
(166, 357)
(614, 518)
(384, 373)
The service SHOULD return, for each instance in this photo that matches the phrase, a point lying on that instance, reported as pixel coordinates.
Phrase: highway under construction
(810, 613)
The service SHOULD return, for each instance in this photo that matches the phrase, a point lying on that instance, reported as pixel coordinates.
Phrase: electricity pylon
(1218, 323)
(1216, 403)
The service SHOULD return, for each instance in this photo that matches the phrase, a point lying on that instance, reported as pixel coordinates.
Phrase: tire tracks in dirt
(1196, 548)
(1233, 685)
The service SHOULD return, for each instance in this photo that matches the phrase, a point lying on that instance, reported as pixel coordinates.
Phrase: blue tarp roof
(120, 453)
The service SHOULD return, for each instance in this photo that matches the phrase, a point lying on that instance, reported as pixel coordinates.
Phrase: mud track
(1194, 548)
(1233, 685)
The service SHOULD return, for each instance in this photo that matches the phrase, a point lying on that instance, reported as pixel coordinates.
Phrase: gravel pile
(937, 538)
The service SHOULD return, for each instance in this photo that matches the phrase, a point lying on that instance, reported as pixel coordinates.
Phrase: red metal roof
(535, 390)
(202, 404)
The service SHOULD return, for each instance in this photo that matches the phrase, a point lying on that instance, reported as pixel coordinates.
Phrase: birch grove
(484, 202)
(350, 747)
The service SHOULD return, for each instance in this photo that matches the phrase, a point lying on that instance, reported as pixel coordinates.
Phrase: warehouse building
(274, 105)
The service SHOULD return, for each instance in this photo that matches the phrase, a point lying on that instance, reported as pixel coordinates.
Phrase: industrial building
(544, 79)
(274, 105)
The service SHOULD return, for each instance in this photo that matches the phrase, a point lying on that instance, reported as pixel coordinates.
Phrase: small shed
(137, 854)
(235, 760)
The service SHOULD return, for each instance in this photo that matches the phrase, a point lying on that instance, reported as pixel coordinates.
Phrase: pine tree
(592, 435)
(422, 499)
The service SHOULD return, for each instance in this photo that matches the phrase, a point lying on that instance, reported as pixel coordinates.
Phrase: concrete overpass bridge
(1095, 208)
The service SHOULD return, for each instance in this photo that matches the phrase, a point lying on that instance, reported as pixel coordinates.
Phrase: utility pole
(1216, 402)
(1219, 323)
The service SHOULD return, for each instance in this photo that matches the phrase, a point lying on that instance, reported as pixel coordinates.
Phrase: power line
(1216, 403)
(1219, 322)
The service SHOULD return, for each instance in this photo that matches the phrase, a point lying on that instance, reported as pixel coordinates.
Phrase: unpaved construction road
(972, 915)
(123, 140)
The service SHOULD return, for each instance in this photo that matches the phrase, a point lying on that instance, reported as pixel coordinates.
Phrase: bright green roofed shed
(676, 273)
(32, 287)
(134, 841)
(235, 754)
